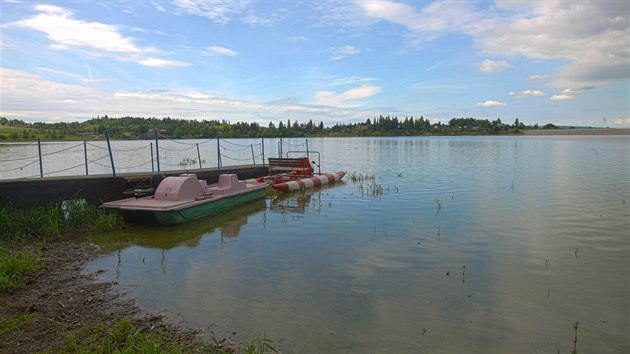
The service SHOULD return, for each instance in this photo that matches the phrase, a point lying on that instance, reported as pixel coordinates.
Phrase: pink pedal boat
(183, 198)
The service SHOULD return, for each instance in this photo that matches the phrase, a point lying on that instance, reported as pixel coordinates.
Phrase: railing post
(39, 153)
(152, 165)
(280, 147)
(198, 156)
(253, 158)
(218, 155)
(157, 149)
(307, 155)
(109, 148)
(85, 155)
(262, 144)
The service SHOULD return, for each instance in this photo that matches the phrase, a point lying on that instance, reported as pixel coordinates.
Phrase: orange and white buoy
(310, 182)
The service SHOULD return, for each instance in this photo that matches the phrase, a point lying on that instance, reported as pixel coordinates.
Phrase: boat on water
(294, 174)
(182, 198)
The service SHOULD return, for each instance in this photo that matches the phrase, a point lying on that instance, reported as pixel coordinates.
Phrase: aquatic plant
(260, 345)
(54, 220)
(359, 177)
(576, 325)
(438, 206)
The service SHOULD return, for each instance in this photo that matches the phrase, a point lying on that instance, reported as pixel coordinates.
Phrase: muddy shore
(63, 299)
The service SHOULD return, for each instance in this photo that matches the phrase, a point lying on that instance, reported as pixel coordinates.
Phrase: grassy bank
(23, 233)
(54, 221)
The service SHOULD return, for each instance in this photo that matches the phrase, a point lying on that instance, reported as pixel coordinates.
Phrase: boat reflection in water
(294, 205)
(189, 234)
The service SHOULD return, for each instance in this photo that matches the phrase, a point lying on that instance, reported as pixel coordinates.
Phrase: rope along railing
(135, 158)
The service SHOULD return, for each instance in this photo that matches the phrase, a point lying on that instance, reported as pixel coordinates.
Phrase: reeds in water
(54, 220)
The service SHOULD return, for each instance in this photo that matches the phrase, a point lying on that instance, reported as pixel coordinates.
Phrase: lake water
(460, 244)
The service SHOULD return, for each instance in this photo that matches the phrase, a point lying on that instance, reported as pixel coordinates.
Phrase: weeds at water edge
(15, 266)
(260, 345)
(15, 322)
(53, 221)
(123, 337)
(368, 186)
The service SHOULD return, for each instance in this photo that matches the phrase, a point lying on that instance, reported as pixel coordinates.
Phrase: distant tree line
(144, 128)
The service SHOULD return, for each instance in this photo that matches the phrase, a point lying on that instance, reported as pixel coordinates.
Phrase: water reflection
(188, 234)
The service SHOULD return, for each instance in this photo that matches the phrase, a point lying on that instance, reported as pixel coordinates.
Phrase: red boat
(294, 174)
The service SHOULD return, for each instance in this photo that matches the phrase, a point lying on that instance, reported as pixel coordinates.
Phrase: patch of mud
(63, 300)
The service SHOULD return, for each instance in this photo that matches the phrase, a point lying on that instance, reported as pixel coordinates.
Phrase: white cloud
(562, 97)
(591, 35)
(434, 20)
(64, 31)
(299, 39)
(222, 51)
(491, 103)
(342, 52)
(491, 66)
(526, 93)
(60, 73)
(351, 80)
(161, 63)
(254, 20)
(96, 38)
(590, 38)
(68, 102)
(347, 98)
(219, 11)
(538, 77)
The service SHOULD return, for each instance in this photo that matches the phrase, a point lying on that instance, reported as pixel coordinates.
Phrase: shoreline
(558, 131)
(577, 131)
(64, 301)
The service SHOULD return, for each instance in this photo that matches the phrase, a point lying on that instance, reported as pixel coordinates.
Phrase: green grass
(15, 266)
(15, 322)
(124, 337)
(260, 345)
(23, 232)
(54, 221)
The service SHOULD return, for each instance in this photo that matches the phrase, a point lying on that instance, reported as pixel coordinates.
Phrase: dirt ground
(64, 300)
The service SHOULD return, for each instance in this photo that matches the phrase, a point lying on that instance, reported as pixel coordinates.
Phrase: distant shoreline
(578, 131)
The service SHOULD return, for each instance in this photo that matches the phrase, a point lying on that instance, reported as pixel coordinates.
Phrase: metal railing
(99, 155)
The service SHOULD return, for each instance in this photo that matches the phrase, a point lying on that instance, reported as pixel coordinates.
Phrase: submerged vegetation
(143, 128)
(367, 185)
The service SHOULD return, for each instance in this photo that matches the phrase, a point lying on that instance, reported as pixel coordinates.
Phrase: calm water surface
(476, 245)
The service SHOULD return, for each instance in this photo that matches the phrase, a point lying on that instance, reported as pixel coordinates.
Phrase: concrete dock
(96, 189)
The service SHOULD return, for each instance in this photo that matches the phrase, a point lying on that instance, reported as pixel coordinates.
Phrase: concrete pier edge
(96, 189)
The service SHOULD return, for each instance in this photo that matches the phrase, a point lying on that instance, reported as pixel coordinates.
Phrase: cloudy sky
(564, 62)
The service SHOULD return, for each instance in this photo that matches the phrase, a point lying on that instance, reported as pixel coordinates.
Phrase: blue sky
(564, 62)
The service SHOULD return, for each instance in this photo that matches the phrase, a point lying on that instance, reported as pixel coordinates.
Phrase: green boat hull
(171, 217)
